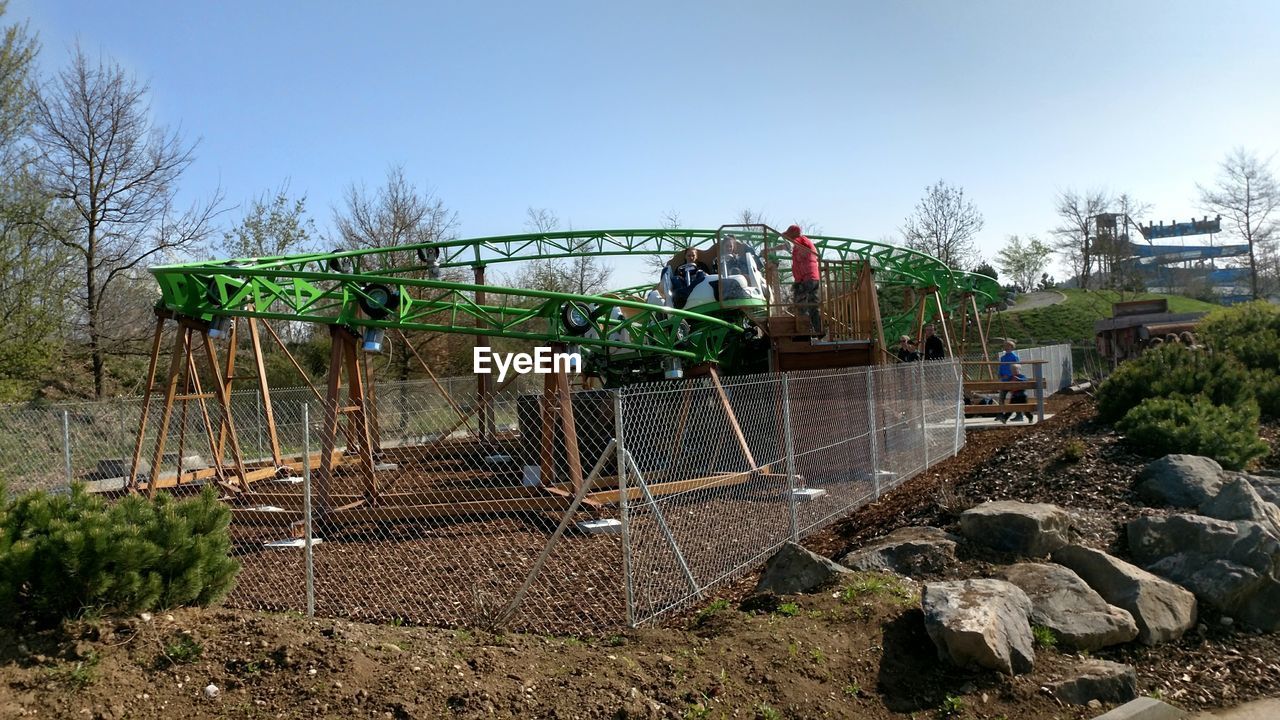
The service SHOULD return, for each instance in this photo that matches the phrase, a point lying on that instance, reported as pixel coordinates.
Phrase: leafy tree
(33, 265)
(944, 225)
(274, 224)
(986, 268)
(1024, 261)
(113, 174)
(1247, 196)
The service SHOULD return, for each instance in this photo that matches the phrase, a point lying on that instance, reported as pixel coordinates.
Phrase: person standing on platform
(805, 288)
(933, 347)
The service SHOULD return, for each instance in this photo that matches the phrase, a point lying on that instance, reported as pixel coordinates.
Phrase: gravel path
(1034, 300)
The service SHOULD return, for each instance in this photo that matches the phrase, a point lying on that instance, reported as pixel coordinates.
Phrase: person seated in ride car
(688, 274)
(736, 258)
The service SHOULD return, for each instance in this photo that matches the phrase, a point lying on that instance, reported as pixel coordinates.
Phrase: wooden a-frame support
(183, 373)
(345, 358)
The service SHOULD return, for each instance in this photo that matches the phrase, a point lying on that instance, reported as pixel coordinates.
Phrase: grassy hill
(1072, 321)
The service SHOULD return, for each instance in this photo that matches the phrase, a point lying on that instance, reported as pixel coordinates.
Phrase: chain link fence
(527, 512)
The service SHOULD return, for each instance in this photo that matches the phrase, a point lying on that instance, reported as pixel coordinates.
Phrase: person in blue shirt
(1007, 362)
(1016, 396)
(689, 273)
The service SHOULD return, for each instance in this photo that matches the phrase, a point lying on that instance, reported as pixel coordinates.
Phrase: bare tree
(581, 274)
(99, 154)
(1247, 195)
(396, 214)
(1075, 233)
(541, 220)
(944, 225)
(670, 221)
(747, 216)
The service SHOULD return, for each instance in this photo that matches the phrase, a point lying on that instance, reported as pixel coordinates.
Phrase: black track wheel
(378, 300)
(575, 318)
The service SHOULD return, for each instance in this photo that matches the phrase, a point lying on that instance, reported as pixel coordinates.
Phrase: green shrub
(1178, 424)
(1266, 389)
(1173, 369)
(63, 554)
(1044, 636)
(1250, 332)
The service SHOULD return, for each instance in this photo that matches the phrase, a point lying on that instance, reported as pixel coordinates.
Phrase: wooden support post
(920, 319)
(982, 335)
(447, 397)
(546, 458)
(224, 399)
(963, 329)
(264, 389)
(565, 402)
(329, 430)
(228, 376)
(483, 384)
(193, 383)
(301, 373)
(181, 344)
(371, 408)
(874, 313)
(941, 322)
(359, 415)
(146, 403)
(733, 419)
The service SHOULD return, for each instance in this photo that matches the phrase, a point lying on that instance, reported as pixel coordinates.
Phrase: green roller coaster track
(417, 287)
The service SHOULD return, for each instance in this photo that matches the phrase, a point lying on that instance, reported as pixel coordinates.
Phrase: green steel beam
(400, 287)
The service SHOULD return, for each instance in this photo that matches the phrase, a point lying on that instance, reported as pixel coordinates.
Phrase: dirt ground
(855, 651)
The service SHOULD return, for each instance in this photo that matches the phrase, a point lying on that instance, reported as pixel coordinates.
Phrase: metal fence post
(789, 439)
(1038, 373)
(306, 511)
(66, 442)
(958, 375)
(924, 418)
(871, 430)
(619, 452)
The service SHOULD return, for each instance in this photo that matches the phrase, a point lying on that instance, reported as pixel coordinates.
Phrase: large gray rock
(1237, 499)
(1233, 566)
(1179, 480)
(1097, 680)
(1028, 529)
(1065, 604)
(1162, 610)
(795, 570)
(908, 551)
(980, 622)
(1267, 486)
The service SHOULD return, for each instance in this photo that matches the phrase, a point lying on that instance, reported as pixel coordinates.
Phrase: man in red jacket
(804, 274)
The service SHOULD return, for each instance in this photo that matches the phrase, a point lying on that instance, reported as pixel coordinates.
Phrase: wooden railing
(1035, 383)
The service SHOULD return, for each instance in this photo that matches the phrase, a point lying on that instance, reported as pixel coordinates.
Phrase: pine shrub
(63, 554)
(1164, 371)
(1181, 424)
(1249, 332)
(1266, 389)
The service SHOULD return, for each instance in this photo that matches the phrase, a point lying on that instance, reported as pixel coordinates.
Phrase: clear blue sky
(612, 114)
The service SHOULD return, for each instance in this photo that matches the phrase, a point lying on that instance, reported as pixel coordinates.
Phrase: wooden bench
(1035, 385)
